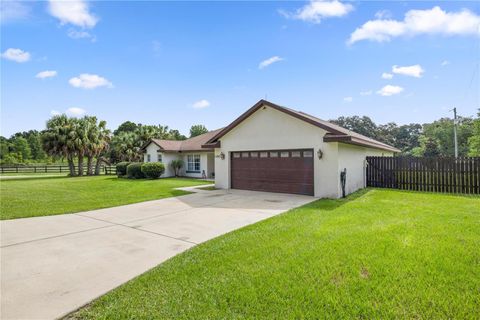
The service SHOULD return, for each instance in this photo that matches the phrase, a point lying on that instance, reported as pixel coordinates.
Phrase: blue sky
(184, 63)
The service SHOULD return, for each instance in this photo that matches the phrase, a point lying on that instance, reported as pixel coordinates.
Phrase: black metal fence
(449, 175)
(109, 170)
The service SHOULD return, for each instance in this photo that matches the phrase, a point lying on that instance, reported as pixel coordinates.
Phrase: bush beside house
(122, 168)
(153, 170)
(139, 170)
(176, 166)
(134, 171)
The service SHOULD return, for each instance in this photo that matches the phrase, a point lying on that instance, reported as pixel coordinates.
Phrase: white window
(148, 157)
(284, 154)
(193, 163)
(296, 154)
(159, 157)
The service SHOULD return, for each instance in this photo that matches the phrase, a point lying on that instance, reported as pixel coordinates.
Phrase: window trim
(192, 163)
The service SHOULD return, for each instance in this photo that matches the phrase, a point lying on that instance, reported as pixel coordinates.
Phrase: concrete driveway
(53, 265)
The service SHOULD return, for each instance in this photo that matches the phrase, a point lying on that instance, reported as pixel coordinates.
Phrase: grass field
(31, 174)
(42, 196)
(378, 254)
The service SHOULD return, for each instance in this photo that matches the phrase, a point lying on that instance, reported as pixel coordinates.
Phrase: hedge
(134, 170)
(122, 168)
(153, 170)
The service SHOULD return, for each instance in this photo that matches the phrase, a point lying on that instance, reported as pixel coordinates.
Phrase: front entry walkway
(52, 265)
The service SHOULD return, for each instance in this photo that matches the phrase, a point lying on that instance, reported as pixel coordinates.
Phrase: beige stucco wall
(353, 159)
(167, 157)
(270, 129)
(151, 150)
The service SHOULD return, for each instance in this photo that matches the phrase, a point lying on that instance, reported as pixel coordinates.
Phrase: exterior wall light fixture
(320, 154)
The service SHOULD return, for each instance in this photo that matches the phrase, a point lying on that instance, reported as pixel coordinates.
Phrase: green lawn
(210, 188)
(33, 174)
(378, 254)
(37, 196)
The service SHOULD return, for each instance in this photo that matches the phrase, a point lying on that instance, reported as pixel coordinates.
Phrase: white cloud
(387, 75)
(89, 81)
(317, 10)
(389, 90)
(16, 55)
(75, 112)
(383, 14)
(366, 93)
(445, 63)
(74, 12)
(347, 99)
(269, 61)
(201, 104)
(75, 34)
(411, 71)
(416, 22)
(13, 10)
(46, 74)
(72, 112)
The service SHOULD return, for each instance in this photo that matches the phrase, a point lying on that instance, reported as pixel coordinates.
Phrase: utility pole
(455, 121)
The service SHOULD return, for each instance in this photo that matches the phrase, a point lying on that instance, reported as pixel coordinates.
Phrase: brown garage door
(287, 171)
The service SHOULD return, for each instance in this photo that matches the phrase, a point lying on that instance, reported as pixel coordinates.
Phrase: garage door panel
(287, 171)
(283, 176)
(270, 186)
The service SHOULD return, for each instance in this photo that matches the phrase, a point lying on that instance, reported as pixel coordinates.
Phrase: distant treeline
(84, 141)
(428, 139)
(87, 140)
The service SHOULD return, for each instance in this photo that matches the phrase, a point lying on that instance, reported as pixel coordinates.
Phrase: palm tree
(126, 146)
(102, 145)
(79, 138)
(56, 139)
(91, 141)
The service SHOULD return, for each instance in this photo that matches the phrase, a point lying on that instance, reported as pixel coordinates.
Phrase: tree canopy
(89, 140)
(429, 139)
(197, 130)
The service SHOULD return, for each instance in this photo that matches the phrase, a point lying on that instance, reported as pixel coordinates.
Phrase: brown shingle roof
(335, 132)
(192, 144)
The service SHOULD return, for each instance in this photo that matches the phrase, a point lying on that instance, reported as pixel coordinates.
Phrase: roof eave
(213, 145)
(196, 150)
(359, 142)
(145, 145)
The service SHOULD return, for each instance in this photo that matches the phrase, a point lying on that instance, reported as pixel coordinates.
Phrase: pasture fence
(108, 170)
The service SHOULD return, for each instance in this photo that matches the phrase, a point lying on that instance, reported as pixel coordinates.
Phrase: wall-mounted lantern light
(221, 155)
(320, 154)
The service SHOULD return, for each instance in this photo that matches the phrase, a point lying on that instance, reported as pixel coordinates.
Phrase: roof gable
(335, 132)
(191, 144)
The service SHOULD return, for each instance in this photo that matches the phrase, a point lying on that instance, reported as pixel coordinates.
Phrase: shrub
(153, 170)
(122, 168)
(176, 166)
(134, 170)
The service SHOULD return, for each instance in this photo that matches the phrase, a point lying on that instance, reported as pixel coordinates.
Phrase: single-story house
(277, 149)
(198, 161)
